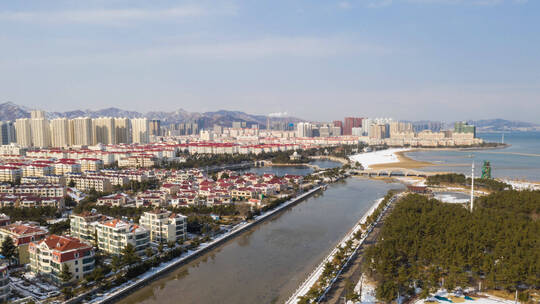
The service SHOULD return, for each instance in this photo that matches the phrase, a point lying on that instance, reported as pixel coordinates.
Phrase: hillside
(10, 111)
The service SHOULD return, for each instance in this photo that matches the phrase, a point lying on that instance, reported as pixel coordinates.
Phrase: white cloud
(112, 16)
(272, 46)
(344, 5)
(304, 47)
(279, 114)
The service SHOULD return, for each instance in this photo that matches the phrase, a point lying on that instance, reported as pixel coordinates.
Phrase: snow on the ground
(522, 185)
(75, 194)
(449, 198)
(377, 157)
(411, 180)
(484, 299)
(368, 292)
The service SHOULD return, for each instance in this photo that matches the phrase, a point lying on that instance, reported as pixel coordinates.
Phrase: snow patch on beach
(377, 157)
(407, 180)
(449, 198)
(521, 185)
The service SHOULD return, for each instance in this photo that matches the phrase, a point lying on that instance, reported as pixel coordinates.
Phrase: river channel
(268, 262)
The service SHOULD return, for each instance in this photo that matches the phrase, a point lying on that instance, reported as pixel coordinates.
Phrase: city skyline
(437, 60)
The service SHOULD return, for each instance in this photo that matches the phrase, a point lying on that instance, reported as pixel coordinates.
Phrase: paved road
(353, 272)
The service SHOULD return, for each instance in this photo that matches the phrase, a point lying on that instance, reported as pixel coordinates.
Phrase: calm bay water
(268, 262)
(519, 161)
(294, 170)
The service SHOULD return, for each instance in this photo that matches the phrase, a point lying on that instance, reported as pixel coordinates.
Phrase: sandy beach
(403, 162)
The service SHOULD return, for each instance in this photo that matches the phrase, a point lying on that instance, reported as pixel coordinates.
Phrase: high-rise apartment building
(123, 130)
(40, 129)
(350, 123)
(155, 127)
(81, 131)
(338, 124)
(379, 131)
(304, 129)
(7, 132)
(140, 128)
(239, 124)
(37, 114)
(24, 134)
(60, 133)
(400, 127)
(464, 127)
(104, 131)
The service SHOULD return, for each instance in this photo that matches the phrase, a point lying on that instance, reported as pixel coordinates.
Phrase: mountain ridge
(10, 111)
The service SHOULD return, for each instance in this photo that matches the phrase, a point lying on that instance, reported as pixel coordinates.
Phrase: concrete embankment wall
(122, 292)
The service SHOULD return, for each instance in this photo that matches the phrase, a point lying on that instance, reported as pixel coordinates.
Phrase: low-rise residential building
(28, 201)
(91, 164)
(114, 235)
(83, 225)
(138, 161)
(22, 234)
(10, 174)
(164, 226)
(48, 257)
(42, 190)
(88, 183)
(243, 193)
(114, 200)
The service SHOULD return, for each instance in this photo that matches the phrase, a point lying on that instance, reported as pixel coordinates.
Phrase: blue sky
(319, 60)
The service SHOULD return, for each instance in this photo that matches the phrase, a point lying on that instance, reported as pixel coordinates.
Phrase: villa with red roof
(22, 234)
(48, 257)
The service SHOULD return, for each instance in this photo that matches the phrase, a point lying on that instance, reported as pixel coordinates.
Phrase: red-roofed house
(22, 235)
(48, 257)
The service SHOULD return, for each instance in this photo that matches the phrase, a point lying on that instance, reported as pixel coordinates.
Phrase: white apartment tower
(23, 131)
(304, 129)
(140, 130)
(60, 133)
(40, 129)
(37, 114)
(104, 131)
(81, 131)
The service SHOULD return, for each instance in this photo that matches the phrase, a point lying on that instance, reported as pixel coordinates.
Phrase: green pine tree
(9, 250)
(65, 274)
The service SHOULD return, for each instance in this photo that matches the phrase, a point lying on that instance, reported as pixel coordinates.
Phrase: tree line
(460, 179)
(426, 243)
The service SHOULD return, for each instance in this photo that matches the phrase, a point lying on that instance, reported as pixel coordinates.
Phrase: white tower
(472, 187)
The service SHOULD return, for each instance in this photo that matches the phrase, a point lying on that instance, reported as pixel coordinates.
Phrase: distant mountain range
(499, 125)
(486, 125)
(11, 111)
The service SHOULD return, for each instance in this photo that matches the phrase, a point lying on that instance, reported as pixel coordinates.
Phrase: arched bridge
(393, 172)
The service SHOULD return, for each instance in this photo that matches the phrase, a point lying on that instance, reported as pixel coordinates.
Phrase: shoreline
(314, 276)
(156, 272)
(404, 162)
